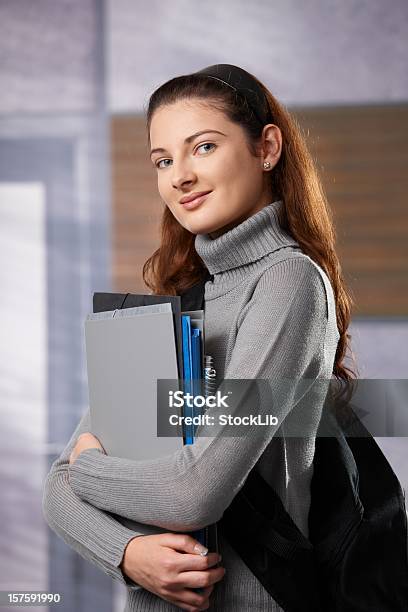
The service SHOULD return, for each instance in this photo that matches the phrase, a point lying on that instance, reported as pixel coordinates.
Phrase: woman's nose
(182, 175)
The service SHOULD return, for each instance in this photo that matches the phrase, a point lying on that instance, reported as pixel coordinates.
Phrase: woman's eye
(206, 144)
(159, 162)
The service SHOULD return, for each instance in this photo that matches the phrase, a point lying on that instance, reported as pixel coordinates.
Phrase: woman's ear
(271, 144)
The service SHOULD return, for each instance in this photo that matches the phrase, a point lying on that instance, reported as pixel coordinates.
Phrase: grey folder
(111, 301)
(127, 351)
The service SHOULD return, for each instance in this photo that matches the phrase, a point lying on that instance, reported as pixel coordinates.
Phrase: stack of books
(132, 341)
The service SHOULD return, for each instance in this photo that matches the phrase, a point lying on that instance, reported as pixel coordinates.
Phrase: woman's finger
(188, 608)
(191, 600)
(184, 562)
(195, 580)
(183, 543)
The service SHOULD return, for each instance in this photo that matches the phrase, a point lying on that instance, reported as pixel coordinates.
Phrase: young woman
(243, 202)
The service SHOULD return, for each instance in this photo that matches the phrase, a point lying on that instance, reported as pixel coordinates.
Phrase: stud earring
(266, 165)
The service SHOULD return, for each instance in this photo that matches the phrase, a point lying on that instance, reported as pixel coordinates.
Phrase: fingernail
(201, 550)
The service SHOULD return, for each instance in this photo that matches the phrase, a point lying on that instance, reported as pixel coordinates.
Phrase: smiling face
(201, 150)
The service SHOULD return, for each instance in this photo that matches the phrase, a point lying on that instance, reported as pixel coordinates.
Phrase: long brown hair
(175, 265)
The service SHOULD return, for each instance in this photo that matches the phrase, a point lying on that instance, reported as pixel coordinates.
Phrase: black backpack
(356, 556)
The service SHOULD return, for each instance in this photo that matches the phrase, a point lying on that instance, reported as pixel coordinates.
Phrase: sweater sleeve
(91, 532)
(280, 333)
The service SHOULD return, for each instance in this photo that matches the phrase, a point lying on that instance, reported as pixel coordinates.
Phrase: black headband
(241, 81)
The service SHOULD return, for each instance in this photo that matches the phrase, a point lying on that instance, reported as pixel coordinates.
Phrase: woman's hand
(168, 565)
(85, 441)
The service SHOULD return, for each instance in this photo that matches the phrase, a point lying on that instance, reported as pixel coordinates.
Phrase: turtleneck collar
(246, 243)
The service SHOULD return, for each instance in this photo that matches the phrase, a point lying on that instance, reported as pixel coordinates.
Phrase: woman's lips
(196, 202)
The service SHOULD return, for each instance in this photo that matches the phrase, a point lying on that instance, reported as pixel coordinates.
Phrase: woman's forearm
(91, 532)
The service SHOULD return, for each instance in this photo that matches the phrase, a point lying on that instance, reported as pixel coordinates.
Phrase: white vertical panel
(23, 385)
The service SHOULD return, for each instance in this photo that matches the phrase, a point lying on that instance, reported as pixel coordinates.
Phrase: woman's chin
(201, 229)
(203, 225)
(199, 226)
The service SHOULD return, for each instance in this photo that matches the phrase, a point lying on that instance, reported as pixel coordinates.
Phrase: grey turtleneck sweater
(269, 313)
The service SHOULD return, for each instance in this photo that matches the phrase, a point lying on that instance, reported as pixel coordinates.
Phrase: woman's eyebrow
(188, 140)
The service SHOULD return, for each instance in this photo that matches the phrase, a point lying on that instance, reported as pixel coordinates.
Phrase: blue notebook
(187, 374)
(197, 370)
(192, 370)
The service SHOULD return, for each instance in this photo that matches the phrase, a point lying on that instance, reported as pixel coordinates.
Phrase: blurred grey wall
(307, 53)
